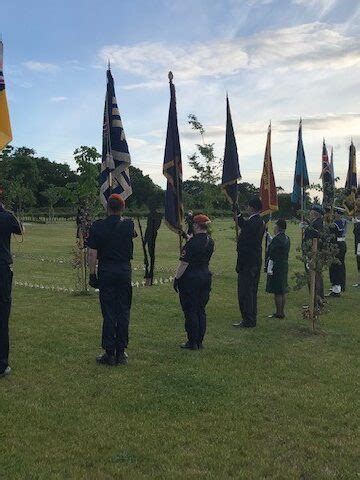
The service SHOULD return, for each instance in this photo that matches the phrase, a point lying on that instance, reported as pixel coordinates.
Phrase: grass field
(275, 402)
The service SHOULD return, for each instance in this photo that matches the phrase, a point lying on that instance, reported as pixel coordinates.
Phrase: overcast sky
(278, 59)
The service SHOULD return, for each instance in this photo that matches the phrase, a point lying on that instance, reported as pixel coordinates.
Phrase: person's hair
(281, 223)
(255, 203)
(115, 203)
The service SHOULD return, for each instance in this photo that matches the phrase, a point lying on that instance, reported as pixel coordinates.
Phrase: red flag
(268, 193)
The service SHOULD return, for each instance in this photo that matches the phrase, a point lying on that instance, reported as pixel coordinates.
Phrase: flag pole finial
(170, 76)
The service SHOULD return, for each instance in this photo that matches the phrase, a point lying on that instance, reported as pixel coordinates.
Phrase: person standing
(153, 224)
(8, 225)
(356, 221)
(249, 259)
(277, 267)
(314, 229)
(193, 281)
(110, 244)
(337, 271)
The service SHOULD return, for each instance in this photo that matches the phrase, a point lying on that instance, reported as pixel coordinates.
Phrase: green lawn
(275, 402)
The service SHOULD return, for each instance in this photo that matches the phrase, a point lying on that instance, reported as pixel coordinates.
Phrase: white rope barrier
(55, 288)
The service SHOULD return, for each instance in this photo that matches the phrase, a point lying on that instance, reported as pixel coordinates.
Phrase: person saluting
(249, 259)
(110, 244)
(193, 281)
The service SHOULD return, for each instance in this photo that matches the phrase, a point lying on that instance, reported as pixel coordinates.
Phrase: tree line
(34, 184)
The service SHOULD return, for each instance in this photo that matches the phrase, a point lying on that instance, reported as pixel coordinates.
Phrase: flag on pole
(172, 168)
(231, 170)
(301, 177)
(332, 170)
(268, 193)
(351, 177)
(5, 126)
(114, 176)
(327, 179)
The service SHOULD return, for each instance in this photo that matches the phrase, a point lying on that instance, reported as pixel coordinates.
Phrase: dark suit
(249, 249)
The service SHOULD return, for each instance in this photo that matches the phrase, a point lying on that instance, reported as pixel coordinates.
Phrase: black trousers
(194, 293)
(6, 276)
(337, 271)
(248, 284)
(115, 300)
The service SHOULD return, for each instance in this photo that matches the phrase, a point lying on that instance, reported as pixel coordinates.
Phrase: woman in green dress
(277, 268)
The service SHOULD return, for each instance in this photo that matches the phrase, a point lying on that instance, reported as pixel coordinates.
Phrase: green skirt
(277, 283)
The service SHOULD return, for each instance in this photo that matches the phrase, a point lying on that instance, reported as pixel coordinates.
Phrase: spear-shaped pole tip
(170, 76)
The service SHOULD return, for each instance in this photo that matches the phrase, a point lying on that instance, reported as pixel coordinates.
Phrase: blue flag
(301, 177)
(114, 176)
(172, 168)
(231, 170)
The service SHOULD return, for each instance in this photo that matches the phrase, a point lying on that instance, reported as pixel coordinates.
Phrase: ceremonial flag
(5, 126)
(268, 193)
(301, 177)
(172, 168)
(351, 177)
(327, 179)
(231, 170)
(114, 176)
(332, 170)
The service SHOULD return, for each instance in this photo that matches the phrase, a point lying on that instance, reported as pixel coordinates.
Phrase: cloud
(305, 47)
(58, 99)
(321, 6)
(41, 66)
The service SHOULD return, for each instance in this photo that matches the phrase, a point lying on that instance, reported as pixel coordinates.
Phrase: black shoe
(5, 372)
(243, 325)
(275, 315)
(200, 346)
(106, 359)
(333, 294)
(121, 359)
(189, 346)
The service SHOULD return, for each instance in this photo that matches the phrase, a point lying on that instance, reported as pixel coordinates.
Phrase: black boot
(106, 359)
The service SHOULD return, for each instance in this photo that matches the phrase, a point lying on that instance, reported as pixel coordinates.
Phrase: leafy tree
(145, 191)
(204, 161)
(52, 196)
(88, 168)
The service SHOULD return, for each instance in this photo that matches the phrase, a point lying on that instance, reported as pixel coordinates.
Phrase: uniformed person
(8, 225)
(337, 271)
(356, 222)
(249, 259)
(277, 267)
(153, 224)
(193, 281)
(110, 244)
(314, 229)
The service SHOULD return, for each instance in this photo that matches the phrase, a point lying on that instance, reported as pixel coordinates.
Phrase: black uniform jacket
(113, 240)
(8, 225)
(197, 253)
(249, 245)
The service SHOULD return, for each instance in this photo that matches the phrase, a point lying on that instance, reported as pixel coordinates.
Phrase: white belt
(340, 239)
